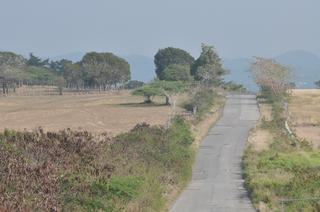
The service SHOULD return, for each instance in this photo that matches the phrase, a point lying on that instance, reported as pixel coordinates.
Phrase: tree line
(95, 70)
(104, 71)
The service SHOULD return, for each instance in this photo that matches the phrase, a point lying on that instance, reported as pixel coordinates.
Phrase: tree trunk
(167, 100)
(147, 99)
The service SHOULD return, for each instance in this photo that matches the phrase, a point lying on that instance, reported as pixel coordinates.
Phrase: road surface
(217, 183)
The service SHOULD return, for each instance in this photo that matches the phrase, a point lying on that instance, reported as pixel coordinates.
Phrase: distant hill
(305, 67)
(74, 56)
(239, 72)
(142, 67)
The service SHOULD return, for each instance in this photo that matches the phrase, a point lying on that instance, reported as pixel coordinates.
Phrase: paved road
(217, 183)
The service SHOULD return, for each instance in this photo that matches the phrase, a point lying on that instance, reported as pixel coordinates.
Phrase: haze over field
(137, 29)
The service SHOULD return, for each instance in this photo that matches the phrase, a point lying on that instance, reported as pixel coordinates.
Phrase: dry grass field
(114, 112)
(304, 111)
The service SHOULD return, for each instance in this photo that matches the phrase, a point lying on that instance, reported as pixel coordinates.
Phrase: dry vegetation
(140, 169)
(95, 113)
(304, 112)
(278, 166)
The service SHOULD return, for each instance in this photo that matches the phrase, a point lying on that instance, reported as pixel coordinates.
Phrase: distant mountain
(239, 72)
(74, 56)
(305, 67)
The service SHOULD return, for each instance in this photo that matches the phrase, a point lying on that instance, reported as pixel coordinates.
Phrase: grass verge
(289, 169)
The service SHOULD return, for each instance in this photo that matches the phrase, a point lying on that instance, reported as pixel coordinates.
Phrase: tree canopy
(169, 56)
(177, 72)
(105, 69)
(160, 88)
(208, 66)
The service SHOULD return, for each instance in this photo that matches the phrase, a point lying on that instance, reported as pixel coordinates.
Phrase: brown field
(114, 112)
(304, 111)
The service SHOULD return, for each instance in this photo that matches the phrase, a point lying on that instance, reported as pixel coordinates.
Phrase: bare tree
(271, 75)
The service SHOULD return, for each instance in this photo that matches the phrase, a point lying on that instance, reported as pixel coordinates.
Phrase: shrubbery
(201, 102)
(76, 171)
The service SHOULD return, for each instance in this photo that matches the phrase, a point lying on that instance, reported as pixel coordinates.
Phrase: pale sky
(238, 28)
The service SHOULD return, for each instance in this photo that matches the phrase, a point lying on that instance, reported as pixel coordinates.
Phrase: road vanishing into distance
(217, 183)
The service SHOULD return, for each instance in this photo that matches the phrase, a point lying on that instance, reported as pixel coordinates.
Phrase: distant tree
(37, 62)
(11, 69)
(271, 76)
(147, 91)
(208, 67)
(317, 83)
(133, 84)
(105, 69)
(72, 73)
(169, 56)
(177, 72)
(160, 88)
(60, 82)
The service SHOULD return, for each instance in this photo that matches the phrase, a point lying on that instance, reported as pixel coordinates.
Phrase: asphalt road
(217, 183)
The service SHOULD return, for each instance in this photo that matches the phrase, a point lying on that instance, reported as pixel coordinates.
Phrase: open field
(304, 111)
(114, 112)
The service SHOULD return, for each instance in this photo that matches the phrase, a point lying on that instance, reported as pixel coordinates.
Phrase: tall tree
(37, 62)
(11, 68)
(208, 67)
(105, 69)
(169, 56)
(72, 73)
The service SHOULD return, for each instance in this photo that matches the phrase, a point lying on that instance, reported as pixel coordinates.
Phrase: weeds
(289, 169)
(76, 171)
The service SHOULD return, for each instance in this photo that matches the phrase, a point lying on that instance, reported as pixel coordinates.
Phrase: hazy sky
(238, 28)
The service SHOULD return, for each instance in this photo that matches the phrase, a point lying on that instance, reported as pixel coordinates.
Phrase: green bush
(202, 100)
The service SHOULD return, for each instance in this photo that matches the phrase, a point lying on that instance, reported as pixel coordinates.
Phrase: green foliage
(40, 76)
(159, 88)
(36, 61)
(133, 84)
(232, 86)
(202, 101)
(105, 68)
(176, 72)
(208, 67)
(169, 56)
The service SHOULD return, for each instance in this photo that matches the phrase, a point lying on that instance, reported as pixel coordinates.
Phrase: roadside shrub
(201, 101)
(133, 84)
(77, 171)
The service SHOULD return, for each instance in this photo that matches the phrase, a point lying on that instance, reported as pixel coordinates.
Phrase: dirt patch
(113, 112)
(260, 139)
(265, 112)
(304, 112)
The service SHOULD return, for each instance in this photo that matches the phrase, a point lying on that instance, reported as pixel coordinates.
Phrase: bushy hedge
(76, 171)
(202, 100)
